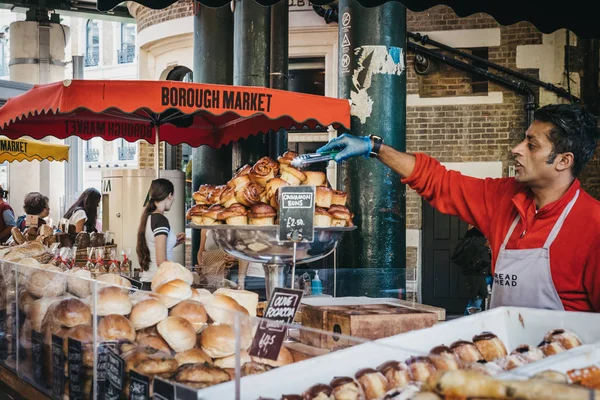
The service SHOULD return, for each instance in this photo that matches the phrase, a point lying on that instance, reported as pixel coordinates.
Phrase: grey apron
(522, 278)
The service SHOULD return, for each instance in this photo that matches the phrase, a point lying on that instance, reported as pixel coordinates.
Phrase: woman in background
(35, 204)
(82, 215)
(155, 239)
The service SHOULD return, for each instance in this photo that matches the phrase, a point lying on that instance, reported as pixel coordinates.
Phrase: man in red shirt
(544, 230)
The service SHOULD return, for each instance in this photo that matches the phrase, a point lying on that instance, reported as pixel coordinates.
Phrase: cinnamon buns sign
(296, 212)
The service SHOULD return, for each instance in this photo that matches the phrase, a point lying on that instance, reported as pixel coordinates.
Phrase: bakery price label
(139, 386)
(58, 366)
(296, 212)
(37, 355)
(270, 334)
(162, 389)
(75, 361)
(114, 375)
(101, 365)
(185, 393)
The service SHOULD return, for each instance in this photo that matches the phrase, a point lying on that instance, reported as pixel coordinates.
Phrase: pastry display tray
(514, 326)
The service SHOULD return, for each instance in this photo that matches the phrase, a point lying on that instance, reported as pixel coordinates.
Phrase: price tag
(75, 359)
(37, 355)
(101, 365)
(269, 337)
(114, 375)
(163, 390)
(296, 212)
(139, 386)
(31, 220)
(58, 366)
(3, 336)
(185, 393)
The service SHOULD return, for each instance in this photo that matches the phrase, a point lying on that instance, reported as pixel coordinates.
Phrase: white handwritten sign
(296, 212)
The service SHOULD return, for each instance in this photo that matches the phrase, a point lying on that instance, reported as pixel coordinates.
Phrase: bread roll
(72, 312)
(47, 283)
(38, 310)
(324, 196)
(261, 214)
(155, 342)
(178, 333)
(234, 215)
(490, 347)
(192, 311)
(195, 214)
(322, 218)
(210, 215)
(315, 178)
(222, 309)
(200, 376)
(168, 271)
(116, 327)
(339, 198)
(245, 298)
(79, 282)
(284, 358)
(193, 356)
(17, 235)
(201, 296)
(229, 361)
(112, 300)
(147, 313)
(174, 292)
(114, 280)
(292, 176)
(373, 383)
(218, 341)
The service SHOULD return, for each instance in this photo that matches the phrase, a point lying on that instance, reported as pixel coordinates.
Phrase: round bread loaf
(193, 356)
(116, 327)
(78, 282)
(193, 311)
(178, 333)
(245, 298)
(147, 313)
(218, 341)
(201, 296)
(155, 342)
(222, 309)
(174, 292)
(113, 300)
(72, 312)
(38, 310)
(47, 283)
(284, 358)
(168, 271)
(229, 362)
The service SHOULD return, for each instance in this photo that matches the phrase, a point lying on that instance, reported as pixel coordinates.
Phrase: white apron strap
(559, 223)
(511, 230)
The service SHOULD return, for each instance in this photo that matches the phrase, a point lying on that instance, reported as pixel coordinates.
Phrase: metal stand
(275, 277)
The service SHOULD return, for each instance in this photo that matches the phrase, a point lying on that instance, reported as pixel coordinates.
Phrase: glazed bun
(340, 216)
(192, 311)
(222, 309)
(201, 196)
(193, 356)
(113, 300)
(116, 327)
(214, 197)
(284, 358)
(49, 282)
(168, 271)
(286, 158)
(178, 333)
(339, 198)
(264, 170)
(72, 312)
(195, 214)
(245, 298)
(147, 313)
(315, 178)
(273, 185)
(228, 197)
(324, 195)
(114, 280)
(229, 361)
(218, 341)
(261, 214)
(234, 215)
(211, 214)
(78, 282)
(174, 292)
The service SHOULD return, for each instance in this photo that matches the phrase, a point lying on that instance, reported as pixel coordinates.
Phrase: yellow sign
(29, 150)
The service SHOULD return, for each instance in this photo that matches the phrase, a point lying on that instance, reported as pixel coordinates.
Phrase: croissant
(249, 195)
(264, 170)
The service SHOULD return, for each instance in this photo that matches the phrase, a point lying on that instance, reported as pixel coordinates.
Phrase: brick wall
(147, 17)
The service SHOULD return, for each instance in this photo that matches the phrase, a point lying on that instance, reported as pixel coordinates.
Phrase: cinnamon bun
(249, 195)
(261, 214)
(292, 176)
(264, 170)
(234, 215)
(287, 158)
(201, 196)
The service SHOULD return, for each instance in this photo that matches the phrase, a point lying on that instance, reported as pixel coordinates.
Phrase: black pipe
(329, 14)
(424, 39)
(279, 71)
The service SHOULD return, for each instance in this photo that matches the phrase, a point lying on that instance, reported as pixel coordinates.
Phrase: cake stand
(260, 244)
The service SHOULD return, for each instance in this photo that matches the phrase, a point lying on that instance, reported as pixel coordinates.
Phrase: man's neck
(544, 196)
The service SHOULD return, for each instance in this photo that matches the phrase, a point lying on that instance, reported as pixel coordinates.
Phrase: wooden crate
(367, 321)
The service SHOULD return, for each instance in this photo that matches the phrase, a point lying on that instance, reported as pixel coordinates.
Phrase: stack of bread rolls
(251, 197)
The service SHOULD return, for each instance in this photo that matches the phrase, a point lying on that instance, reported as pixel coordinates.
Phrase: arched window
(92, 43)
(180, 73)
(126, 54)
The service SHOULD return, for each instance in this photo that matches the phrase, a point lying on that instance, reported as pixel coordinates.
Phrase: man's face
(531, 156)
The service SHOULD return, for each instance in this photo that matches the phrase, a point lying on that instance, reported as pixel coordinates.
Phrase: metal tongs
(306, 159)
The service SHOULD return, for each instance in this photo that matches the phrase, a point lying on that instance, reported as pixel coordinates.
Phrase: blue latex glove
(348, 146)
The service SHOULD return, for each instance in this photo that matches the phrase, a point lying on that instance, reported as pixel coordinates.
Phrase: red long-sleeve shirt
(492, 205)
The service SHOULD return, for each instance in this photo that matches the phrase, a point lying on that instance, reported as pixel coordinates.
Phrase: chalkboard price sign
(185, 393)
(101, 365)
(269, 336)
(58, 366)
(296, 212)
(75, 359)
(37, 355)
(139, 386)
(163, 390)
(114, 375)
(3, 336)
(135, 284)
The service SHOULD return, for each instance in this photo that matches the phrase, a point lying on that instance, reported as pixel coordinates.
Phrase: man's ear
(565, 161)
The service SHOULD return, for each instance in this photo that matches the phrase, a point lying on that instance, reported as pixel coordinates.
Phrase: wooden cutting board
(367, 321)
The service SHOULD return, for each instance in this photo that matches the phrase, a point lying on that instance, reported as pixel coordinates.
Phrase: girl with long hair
(155, 239)
(82, 215)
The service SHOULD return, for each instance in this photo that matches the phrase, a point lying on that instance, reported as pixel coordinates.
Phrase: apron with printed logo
(522, 278)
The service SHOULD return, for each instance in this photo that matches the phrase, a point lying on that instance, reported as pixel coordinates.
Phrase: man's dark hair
(574, 131)
(35, 203)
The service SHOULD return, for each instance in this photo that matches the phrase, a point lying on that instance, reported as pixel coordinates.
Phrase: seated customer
(35, 204)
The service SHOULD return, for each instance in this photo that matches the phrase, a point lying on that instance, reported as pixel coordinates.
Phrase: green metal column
(213, 63)
(372, 43)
